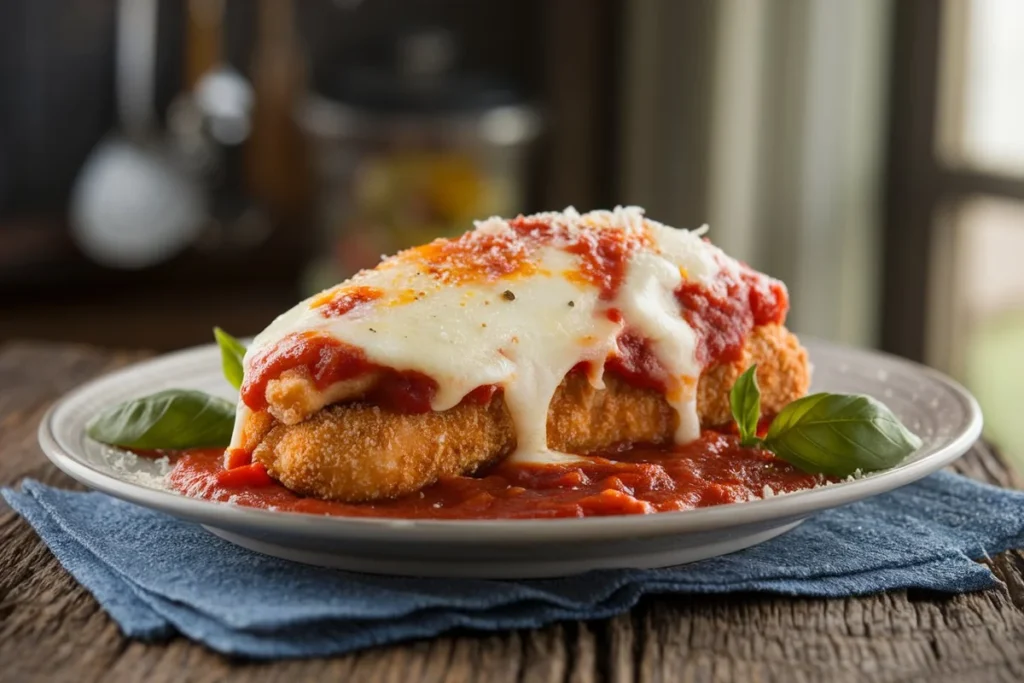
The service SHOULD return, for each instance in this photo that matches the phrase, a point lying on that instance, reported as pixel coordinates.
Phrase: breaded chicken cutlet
(359, 452)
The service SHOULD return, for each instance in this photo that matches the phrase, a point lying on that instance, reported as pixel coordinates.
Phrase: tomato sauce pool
(710, 471)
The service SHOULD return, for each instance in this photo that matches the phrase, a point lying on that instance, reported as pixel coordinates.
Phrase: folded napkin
(157, 576)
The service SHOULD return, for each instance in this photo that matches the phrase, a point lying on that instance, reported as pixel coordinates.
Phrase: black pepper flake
(373, 330)
(507, 295)
(571, 304)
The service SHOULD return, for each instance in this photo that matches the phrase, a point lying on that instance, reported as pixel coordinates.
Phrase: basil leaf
(174, 419)
(838, 434)
(232, 352)
(745, 401)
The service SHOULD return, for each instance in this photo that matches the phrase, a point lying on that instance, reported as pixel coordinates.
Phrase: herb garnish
(232, 352)
(834, 434)
(175, 419)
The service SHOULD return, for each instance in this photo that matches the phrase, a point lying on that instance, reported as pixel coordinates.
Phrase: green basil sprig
(835, 434)
(175, 419)
(232, 352)
(745, 401)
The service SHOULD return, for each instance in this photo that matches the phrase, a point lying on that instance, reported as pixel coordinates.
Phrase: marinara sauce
(710, 471)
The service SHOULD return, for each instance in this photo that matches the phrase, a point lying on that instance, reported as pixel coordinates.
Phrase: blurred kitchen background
(169, 165)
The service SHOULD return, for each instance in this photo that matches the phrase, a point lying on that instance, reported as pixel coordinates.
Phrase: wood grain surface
(52, 629)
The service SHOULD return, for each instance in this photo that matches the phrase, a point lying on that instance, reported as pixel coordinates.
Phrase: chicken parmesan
(530, 342)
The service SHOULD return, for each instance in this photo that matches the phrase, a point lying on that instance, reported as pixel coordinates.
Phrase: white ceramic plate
(941, 412)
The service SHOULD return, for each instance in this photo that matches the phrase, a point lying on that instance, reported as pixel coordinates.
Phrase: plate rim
(776, 508)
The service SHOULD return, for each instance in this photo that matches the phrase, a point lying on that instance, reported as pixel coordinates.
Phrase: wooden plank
(52, 629)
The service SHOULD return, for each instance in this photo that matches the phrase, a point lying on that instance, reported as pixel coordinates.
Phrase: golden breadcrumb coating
(783, 375)
(356, 452)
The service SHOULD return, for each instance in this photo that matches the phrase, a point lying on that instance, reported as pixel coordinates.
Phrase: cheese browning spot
(339, 301)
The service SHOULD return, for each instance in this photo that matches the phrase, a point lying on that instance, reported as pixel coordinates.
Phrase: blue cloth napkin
(157, 575)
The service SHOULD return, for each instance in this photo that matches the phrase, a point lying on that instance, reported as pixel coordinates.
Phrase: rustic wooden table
(52, 629)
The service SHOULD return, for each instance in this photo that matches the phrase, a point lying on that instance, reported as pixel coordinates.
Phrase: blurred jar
(406, 148)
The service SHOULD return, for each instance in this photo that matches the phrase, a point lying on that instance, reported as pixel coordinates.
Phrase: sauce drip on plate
(713, 470)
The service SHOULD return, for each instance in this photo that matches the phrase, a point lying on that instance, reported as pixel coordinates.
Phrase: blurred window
(984, 82)
(955, 231)
(983, 324)
(977, 298)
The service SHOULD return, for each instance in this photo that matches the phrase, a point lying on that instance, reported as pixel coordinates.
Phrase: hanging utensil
(133, 205)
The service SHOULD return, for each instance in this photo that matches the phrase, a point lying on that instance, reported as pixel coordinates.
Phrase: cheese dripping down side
(517, 305)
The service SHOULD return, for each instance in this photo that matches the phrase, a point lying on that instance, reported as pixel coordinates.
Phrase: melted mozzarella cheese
(525, 330)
